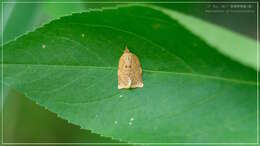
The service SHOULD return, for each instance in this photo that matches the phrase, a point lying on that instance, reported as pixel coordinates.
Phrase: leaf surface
(192, 93)
(231, 44)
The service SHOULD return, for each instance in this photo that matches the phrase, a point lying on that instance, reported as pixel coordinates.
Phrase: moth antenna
(126, 50)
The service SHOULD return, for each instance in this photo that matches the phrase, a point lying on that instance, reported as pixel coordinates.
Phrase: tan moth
(129, 71)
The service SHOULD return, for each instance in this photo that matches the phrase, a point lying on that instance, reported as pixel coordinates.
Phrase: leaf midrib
(77, 67)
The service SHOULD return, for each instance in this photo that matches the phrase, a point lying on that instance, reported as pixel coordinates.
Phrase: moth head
(127, 65)
(126, 50)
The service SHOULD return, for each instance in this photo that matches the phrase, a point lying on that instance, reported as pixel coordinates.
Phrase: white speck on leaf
(83, 35)
(43, 46)
(115, 122)
(120, 96)
(132, 119)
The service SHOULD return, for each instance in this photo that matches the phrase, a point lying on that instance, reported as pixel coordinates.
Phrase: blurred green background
(26, 122)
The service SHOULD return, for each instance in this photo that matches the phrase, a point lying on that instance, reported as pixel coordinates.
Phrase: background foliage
(50, 12)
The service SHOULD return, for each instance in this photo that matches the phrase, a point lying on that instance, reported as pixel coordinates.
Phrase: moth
(129, 71)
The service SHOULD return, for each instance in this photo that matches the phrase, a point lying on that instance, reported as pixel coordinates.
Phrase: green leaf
(235, 46)
(32, 15)
(14, 13)
(25, 122)
(192, 93)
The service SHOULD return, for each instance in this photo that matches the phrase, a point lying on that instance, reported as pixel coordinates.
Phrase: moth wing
(137, 80)
(121, 63)
(123, 80)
